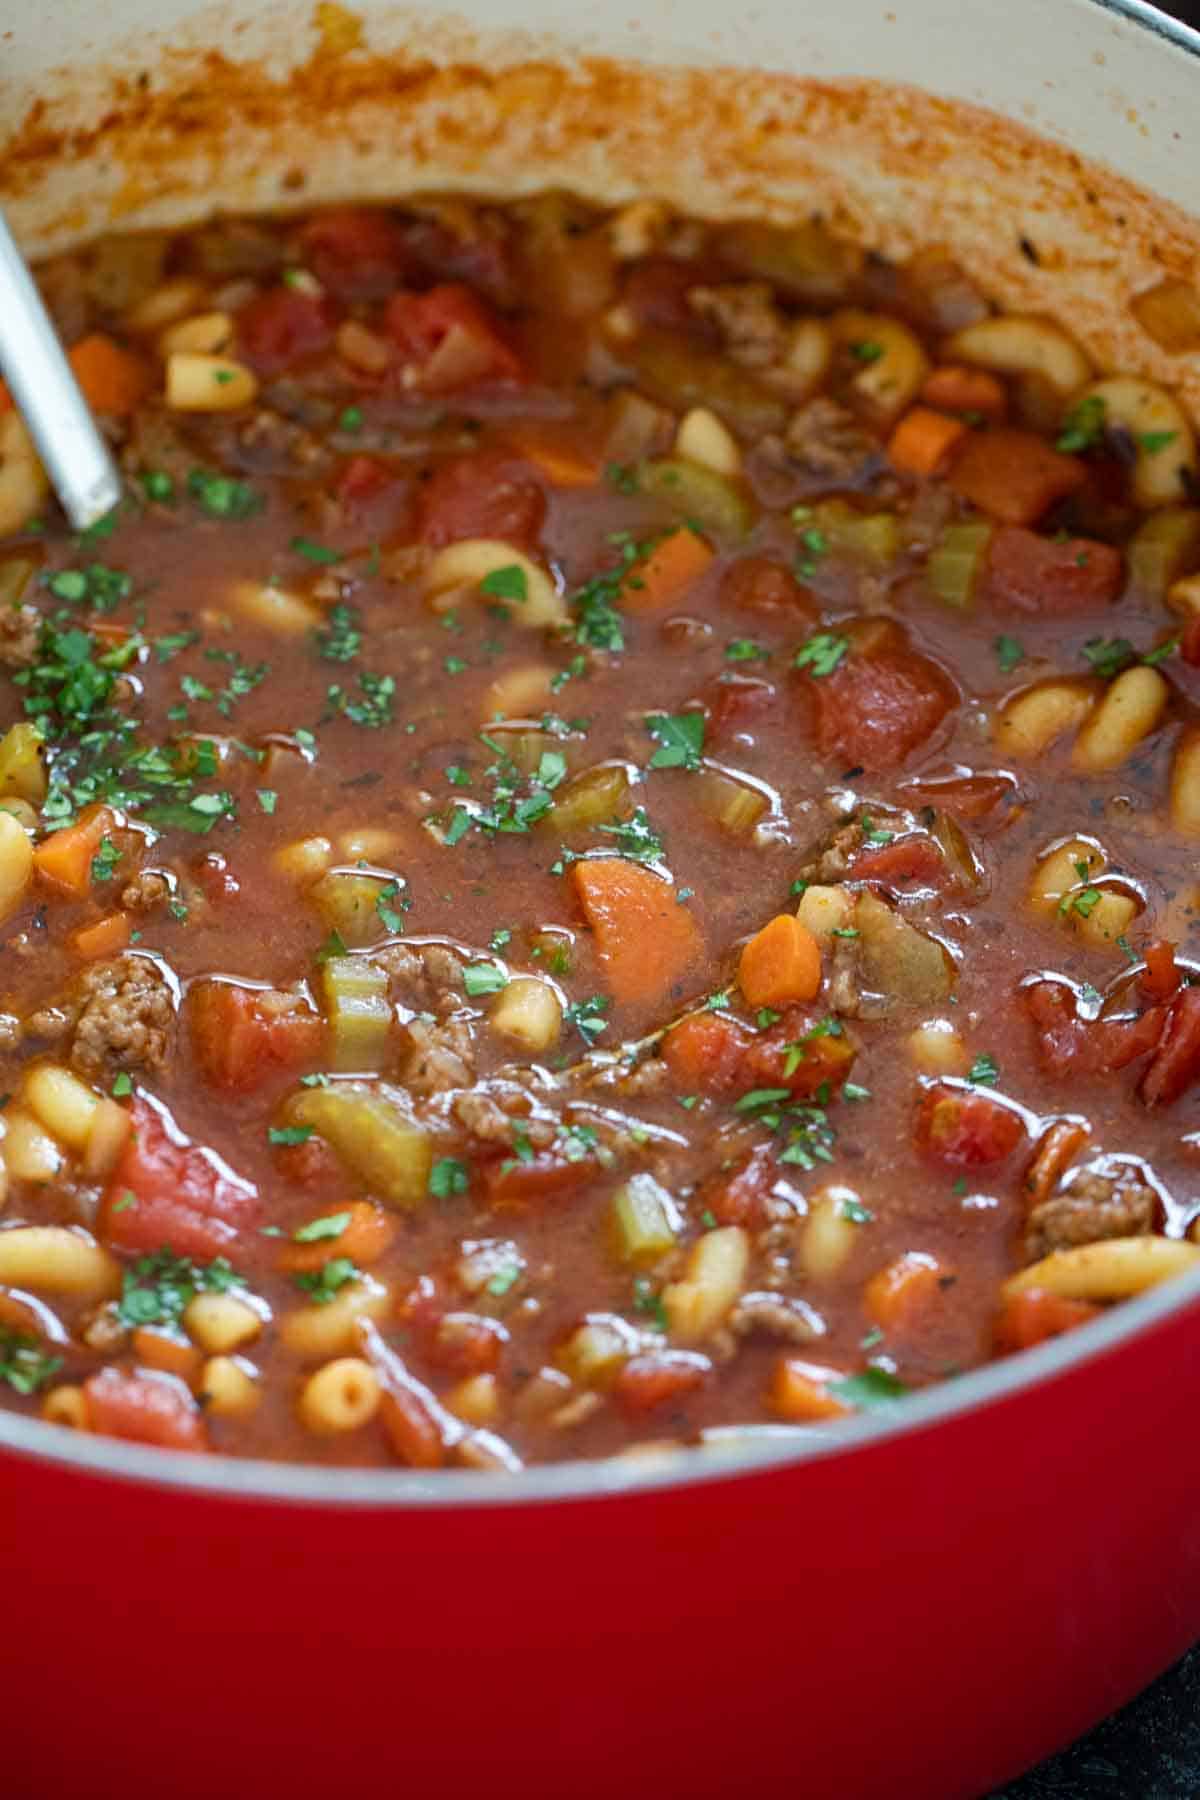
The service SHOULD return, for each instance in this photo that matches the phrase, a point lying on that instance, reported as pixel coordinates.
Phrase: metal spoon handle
(47, 394)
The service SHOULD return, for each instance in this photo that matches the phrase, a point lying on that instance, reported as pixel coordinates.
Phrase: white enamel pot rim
(1110, 80)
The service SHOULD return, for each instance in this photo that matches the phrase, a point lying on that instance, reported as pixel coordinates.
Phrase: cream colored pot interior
(149, 111)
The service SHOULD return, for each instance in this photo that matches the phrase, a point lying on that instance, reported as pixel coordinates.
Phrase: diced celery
(526, 747)
(348, 902)
(645, 1219)
(596, 797)
(875, 537)
(681, 376)
(22, 772)
(355, 992)
(1162, 548)
(697, 494)
(956, 562)
(734, 805)
(373, 1132)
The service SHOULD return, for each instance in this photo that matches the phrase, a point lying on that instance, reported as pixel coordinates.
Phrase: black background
(1151, 1751)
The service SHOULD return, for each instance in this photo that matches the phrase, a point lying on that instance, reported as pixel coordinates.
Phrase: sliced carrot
(646, 940)
(113, 380)
(1057, 1147)
(955, 389)
(923, 440)
(106, 937)
(64, 859)
(800, 1393)
(562, 464)
(1032, 1317)
(781, 963)
(363, 1238)
(159, 1350)
(900, 1294)
(666, 574)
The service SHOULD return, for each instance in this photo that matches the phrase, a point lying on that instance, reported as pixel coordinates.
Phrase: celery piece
(956, 562)
(355, 992)
(594, 798)
(872, 537)
(645, 1219)
(733, 805)
(1162, 548)
(699, 495)
(373, 1133)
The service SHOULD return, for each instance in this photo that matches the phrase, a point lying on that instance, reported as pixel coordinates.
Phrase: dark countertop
(1151, 1751)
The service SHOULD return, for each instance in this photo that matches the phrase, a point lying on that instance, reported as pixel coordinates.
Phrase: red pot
(915, 1604)
(920, 1607)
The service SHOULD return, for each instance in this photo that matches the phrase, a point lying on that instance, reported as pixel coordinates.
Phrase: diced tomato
(809, 1055)
(1069, 1044)
(448, 340)
(146, 1409)
(1160, 977)
(1014, 475)
(758, 584)
(738, 1196)
(966, 1130)
(908, 859)
(240, 1037)
(166, 1192)
(368, 491)
(1050, 575)
(969, 797)
(462, 1343)
(706, 1053)
(656, 292)
(1033, 1316)
(900, 1297)
(217, 878)
(362, 479)
(311, 1165)
(1176, 1063)
(1189, 646)
(281, 326)
(357, 252)
(735, 702)
(876, 708)
(480, 495)
(647, 1382)
(512, 1181)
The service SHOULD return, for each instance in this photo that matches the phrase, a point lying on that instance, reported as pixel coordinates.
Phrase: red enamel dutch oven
(919, 1603)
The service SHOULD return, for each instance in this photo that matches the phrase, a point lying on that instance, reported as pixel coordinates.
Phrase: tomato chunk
(811, 1056)
(241, 1036)
(281, 326)
(966, 1130)
(514, 1180)
(739, 1196)
(166, 1191)
(145, 1409)
(706, 1052)
(482, 495)
(735, 702)
(448, 339)
(758, 584)
(1051, 575)
(356, 252)
(647, 1382)
(1176, 1063)
(880, 705)
(1069, 1044)
(908, 859)
(1014, 475)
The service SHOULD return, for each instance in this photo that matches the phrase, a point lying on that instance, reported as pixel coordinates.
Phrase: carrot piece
(107, 937)
(64, 859)
(799, 1393)
(159, 1350)
(561, 464)
(646, 940)
(665, 575)
(1015, 476)
(923, 440)
(113, 380)
(1032, 1317)
(955, 389)
(781, 963)
(146, 1409)
(899, 1295)
(705, 1050)
(363, 1238)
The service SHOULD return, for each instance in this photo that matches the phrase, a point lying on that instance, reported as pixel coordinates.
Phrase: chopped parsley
(635, 837)
(587, 1016)
(340, 639)
(317, 1230)
(285, 1136)
(374, 709)
(1083, 427)
(158, 1288)
(744, 650)
(1154, 441)
(1010, 652)
(104, 863)
(484, 978)
(507, 583)
(391, 916)
(874, 834)
(96, 586)
(23, 1365)
(1108, 656)
(329, 1280)
(314, 552)
(822, 653)
(874, 1387)
(680, 739)
(221, 496)
(984, 1071)
(448, 1176)
(648, 1301)
(866, 351)
(622, 477)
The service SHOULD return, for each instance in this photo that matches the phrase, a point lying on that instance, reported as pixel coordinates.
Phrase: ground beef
(844, 976)
(424, 977)
(788, 1321)
(827, 441)
(832, 862)
(147, 890)
(122, 1016)
(1089, 1207)
(19, 629)
(156, 443)
(269, 444)
(496, 1114)
(440, 1056)
(745, 313)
